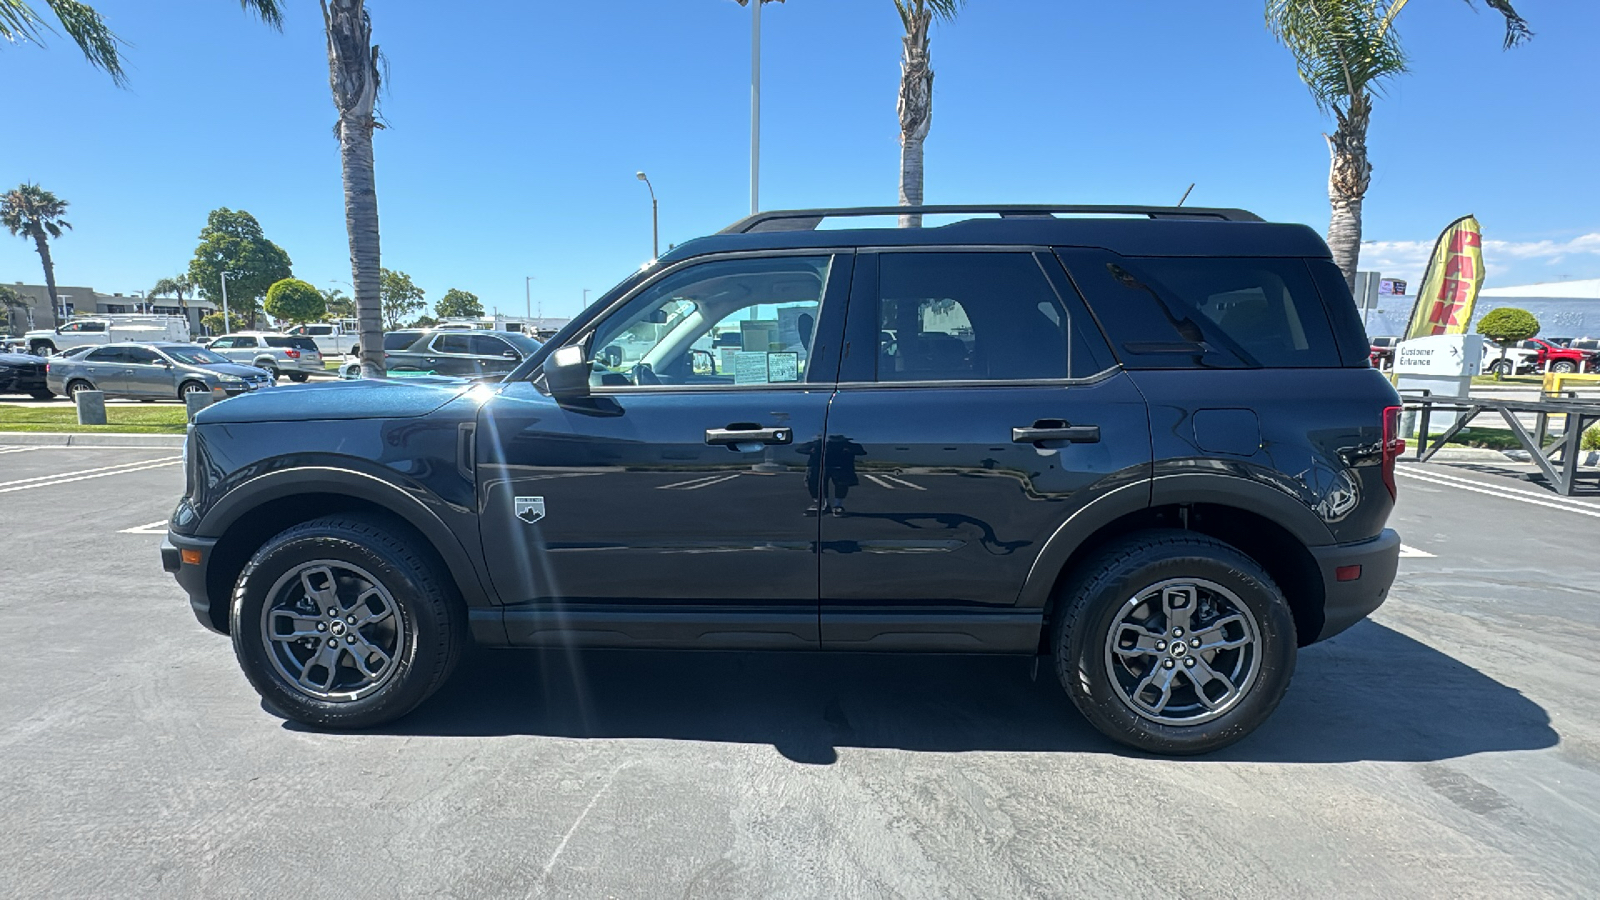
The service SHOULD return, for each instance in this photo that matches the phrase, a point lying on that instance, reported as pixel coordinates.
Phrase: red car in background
(1382, 353)
(1555, 358)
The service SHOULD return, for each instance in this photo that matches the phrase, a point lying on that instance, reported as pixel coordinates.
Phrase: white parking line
(1405, 552)
(902, 481)
(35, 483)
(698, 483)
(126, 465)
(160, 527)
(877, 481)
(16, 449)
(1502, 493)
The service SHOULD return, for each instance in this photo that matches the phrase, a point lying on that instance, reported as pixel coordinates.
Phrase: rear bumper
(1348, 602)
(192, 576)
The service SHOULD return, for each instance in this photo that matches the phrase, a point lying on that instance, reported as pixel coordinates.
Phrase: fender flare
(311, 481)
(1189, 487)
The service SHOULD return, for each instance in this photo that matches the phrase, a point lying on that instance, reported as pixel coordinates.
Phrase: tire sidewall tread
(1091, 599)
(427, 603)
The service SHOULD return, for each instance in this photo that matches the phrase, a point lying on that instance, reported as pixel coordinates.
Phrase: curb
(1463, 454)
(100, 439)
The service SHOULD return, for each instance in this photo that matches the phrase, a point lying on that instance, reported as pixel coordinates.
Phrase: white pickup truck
(105, 330)
(333, 338)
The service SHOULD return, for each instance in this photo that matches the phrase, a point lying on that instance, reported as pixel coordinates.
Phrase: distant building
(1582, 289)
(83, 301)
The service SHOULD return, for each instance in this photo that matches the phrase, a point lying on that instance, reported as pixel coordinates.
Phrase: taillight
(292, 353)
(1393, 446)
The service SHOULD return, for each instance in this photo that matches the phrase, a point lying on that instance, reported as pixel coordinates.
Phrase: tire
(1124, 592)
(415, 622)
(1500, 367)
(272, 371)
(42, 348)
(76, 385)
(1563, 367)
(42, 395)
(354, 351)
(192, 387)
(299, 378)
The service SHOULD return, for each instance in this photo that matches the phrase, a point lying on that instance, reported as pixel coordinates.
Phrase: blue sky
(515, 129)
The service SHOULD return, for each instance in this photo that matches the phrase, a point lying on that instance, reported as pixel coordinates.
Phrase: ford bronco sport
(1144, 443)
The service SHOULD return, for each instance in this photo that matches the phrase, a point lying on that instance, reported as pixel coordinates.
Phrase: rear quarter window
(298, 343)
(1210, 312)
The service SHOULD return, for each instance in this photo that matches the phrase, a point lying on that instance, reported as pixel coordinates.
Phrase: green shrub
(1591, 438)
(1507, 325)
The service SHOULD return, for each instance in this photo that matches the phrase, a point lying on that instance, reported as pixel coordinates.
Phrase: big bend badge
(530, 509)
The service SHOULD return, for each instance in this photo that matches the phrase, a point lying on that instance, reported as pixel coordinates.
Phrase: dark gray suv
(1144, 444)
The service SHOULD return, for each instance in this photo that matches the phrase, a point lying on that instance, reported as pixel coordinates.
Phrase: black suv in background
(1145, 443)
(456, 352)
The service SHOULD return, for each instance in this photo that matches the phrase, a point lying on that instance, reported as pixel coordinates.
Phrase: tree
(339, 305)
(293, 300)
(1506, 326)
(457, 302)
(423, 322)
(1346, 50)
(402, 299)
(233, 242)
(9, 300)
(33, 213)
(212, 322)
(916, 93)
(173, 286)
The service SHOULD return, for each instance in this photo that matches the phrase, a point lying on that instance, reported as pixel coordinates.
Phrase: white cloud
(1408, 259)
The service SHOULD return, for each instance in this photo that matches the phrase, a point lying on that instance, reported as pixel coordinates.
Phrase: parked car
(1552, 358)
(332, 338)
(296, 356)
(107, 329)
(1382, 352)
(1165, 498)
(456, 352)
(23, 373)
(151, 371)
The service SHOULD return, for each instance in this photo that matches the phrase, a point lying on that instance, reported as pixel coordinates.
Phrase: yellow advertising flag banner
(1450, 288)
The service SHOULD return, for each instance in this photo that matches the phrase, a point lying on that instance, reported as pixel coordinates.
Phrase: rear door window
(1211, 312)
(107, 355)
(489, 345)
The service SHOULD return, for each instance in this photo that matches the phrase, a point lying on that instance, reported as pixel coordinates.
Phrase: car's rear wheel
(191, 387)
(342, 623)
(299, 377)
(76, 385)
(1174, 642)
(1563, 367)
(272, 372)
(1501, 367)
(42, 395)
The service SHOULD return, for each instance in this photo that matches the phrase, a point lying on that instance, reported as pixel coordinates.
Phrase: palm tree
(33, 213)
(1346, 50)
(353, 70)
(176, 286)
(916, 93)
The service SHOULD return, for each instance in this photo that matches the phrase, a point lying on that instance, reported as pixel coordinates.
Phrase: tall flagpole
(755, 106)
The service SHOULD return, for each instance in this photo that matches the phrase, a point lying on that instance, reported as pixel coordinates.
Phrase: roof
(1130, 231)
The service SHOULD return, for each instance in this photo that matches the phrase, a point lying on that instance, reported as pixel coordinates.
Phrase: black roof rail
(809, 219)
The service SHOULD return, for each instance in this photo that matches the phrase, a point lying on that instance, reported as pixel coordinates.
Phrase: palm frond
(1517, 29)
(1343, 48)
(270, 11)
(20, 23)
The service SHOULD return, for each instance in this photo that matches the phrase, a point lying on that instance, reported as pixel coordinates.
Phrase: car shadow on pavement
(1370, 694)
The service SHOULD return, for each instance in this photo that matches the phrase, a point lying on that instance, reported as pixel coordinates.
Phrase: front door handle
(742, 433)
(1046, 430)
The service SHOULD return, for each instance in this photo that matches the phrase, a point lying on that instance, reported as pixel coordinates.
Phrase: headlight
(230, 379)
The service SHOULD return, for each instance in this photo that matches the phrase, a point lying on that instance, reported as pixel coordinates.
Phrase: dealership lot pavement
(1449, 747)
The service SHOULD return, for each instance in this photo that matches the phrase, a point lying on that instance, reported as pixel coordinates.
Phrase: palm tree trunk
(353, 73)
(916, 109)
(1349, 175)
(42, 244)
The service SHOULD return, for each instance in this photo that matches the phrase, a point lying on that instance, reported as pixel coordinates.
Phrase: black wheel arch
(1265, 524)
(250, 514)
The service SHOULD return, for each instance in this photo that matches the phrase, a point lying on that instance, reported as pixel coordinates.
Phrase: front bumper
(192, 577)
(1348, 602)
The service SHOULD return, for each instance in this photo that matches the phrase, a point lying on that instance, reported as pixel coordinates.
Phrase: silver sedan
(151, 371)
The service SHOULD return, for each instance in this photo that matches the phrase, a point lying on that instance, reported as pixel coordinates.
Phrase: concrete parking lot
(1448, 747)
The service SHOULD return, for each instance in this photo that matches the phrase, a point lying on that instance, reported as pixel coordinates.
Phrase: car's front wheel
(1174, 642)
(1500, 367)
(341, 622)
(191, 387)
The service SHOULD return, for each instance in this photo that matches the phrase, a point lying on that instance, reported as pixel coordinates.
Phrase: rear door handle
(741, 433)
(1044, 431)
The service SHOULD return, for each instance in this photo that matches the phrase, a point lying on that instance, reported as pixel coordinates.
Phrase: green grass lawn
(1491, 381)
(122, 419)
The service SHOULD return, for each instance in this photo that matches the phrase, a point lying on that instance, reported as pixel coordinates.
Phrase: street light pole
(226, 325)
(527, 293)
(585, 300)
(755, 106)
(655, 221)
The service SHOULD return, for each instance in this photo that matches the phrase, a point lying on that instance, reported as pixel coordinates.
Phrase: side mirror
(566, 373)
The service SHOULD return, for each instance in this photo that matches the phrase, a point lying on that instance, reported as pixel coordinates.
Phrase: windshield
(193, 355)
